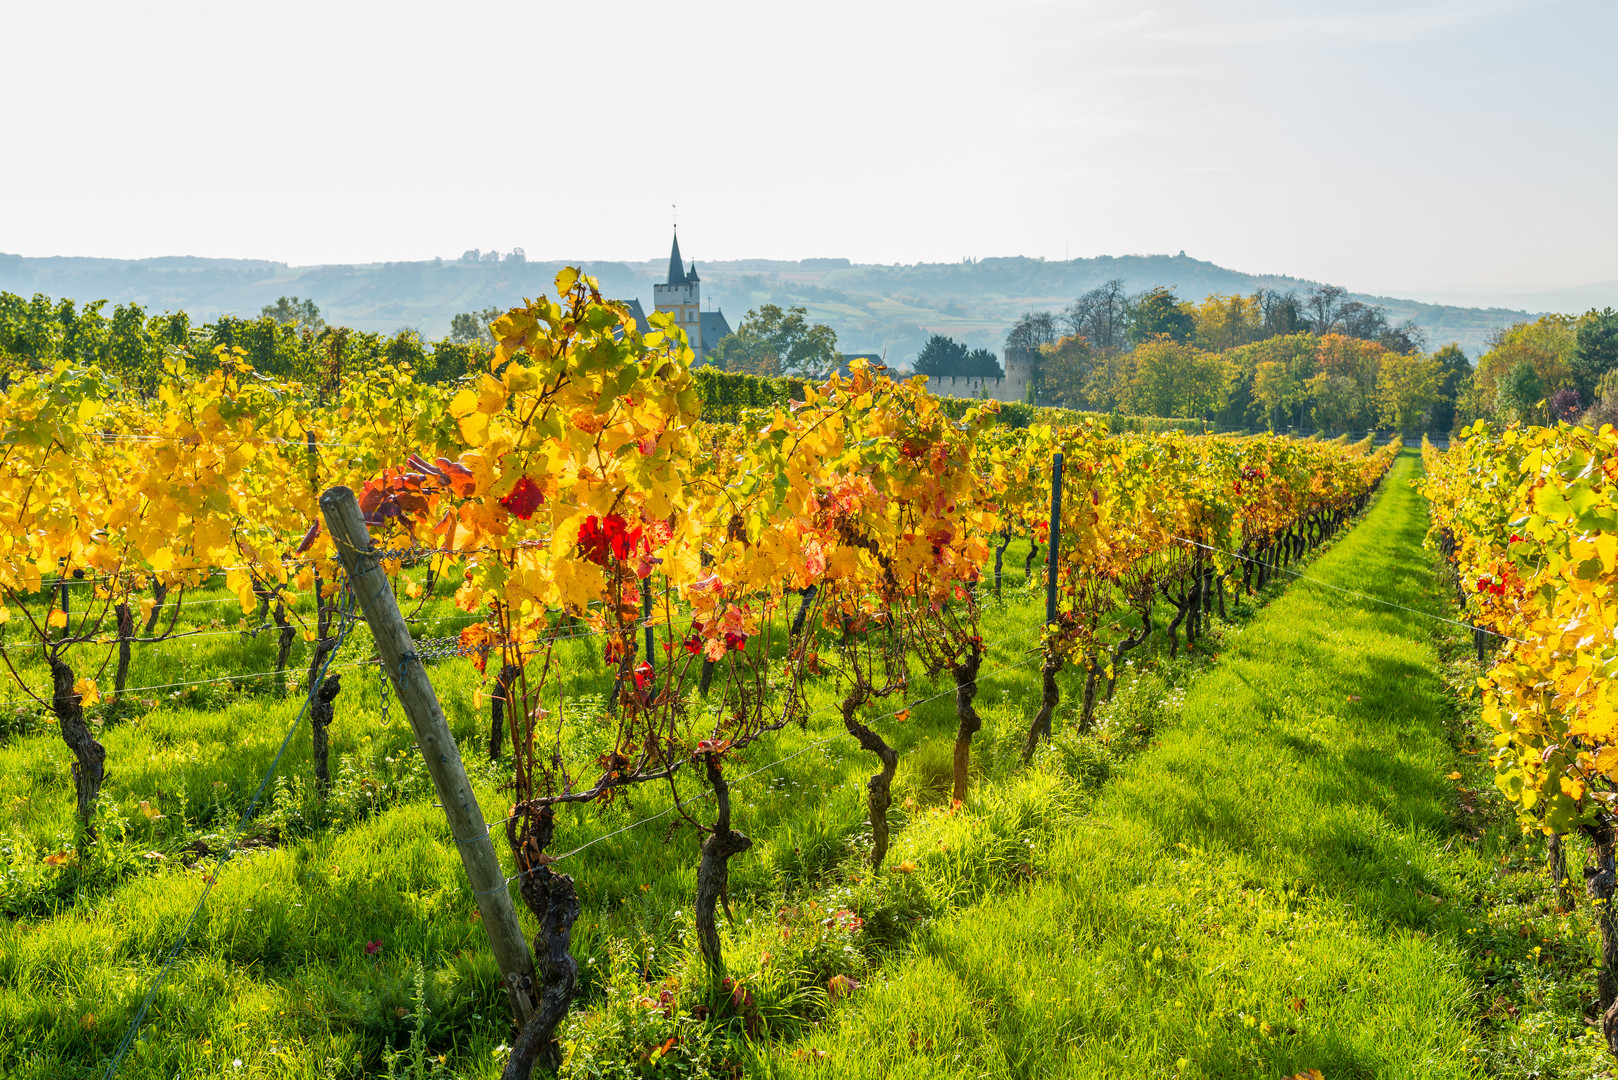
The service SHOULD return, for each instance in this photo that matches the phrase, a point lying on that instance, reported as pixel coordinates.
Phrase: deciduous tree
(1546, 344)
(1595, 350)
(776, 341)
(1519, 396)
(1172, 379)
(1344, 385)
(1066, 368)
(1160, 313)
(1100, 316)
(296, 312)
(1224, 322)
(1454, 377)
(1032, 331)
(1406, 388)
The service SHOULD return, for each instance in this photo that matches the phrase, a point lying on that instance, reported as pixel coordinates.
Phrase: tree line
(1318, 360)
(1540, 371)
(288, 339)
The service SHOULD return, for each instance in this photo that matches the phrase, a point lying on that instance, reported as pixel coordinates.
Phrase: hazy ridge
(874, 308)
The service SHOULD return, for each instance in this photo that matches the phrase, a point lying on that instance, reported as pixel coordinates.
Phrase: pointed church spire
(676, 266)
(691, 276)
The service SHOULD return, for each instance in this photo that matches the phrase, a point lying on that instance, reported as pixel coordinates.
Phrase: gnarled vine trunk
(126, 631)
(713, 872)
(160, 593)
(879, 791)
(285, 649)
(1092, 679)
(1123, 648)
(321, 713)
(89, 756)
(322, 709)
(498, 708)
(555, 905)
(1556, 866)
(1050, 695)
(808, 598)
(968, 722)
(1601, 882)
(1180, 610)
(1000, 560)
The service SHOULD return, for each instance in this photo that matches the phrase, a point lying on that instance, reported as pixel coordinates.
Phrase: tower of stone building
(682, 298)
(1019, 367)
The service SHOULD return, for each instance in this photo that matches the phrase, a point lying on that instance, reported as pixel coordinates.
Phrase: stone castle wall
(1017, 364)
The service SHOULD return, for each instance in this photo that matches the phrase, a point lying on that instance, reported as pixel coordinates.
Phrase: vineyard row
(573, 486)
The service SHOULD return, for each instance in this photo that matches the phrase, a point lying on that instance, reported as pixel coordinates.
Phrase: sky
(1400, 147)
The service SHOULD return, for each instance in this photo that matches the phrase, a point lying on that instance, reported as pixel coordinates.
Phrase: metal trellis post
(646, 612)
(1055, 540)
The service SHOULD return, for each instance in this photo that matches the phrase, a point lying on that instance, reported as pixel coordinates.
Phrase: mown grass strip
(1264, 892)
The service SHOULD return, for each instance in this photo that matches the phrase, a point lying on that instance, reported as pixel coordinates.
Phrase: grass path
(1273, 887)
(1281, 881)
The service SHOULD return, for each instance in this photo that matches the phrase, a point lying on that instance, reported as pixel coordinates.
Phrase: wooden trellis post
(414, 690)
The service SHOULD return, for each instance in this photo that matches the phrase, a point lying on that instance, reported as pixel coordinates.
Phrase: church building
(681, 296)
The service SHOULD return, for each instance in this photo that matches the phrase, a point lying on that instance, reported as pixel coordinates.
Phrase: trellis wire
(209, 881)
(763, 768)
(1349, 592)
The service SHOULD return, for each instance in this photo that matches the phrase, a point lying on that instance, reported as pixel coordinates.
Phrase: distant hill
(874, 308)
(1573, 299)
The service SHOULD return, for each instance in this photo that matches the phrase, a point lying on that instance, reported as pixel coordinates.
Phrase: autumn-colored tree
(1224, 322)
(1107, 387)
(1344, 384)
(1065, 370)
(1171, 379)
(1548, 345)
(1406, 387)
(1280, 398)
(1276, 389)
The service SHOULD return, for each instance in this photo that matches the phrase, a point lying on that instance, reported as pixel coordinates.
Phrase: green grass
(1279, 884)
(1254, 867)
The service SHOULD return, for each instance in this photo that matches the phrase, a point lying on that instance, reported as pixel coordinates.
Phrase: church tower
(681, 297)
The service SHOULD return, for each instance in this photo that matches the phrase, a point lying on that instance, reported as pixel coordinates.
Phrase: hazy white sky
(1387, 145)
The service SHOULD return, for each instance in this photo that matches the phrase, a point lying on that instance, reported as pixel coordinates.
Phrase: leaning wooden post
(415, 693)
